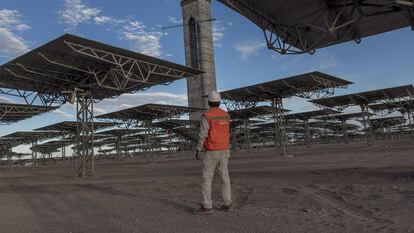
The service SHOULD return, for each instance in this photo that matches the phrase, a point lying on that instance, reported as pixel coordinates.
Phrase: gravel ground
(328, 188)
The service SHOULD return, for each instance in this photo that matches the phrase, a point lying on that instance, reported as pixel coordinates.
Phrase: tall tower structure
(199, 51)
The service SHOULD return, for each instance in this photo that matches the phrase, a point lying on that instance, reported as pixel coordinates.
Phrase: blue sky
(241, 57)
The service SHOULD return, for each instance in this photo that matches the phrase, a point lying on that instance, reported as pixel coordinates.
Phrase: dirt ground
(328, 188)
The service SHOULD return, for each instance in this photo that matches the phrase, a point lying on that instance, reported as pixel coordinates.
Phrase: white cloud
(63, 114)
(6, 100)
(145, 41)
(12, 44)
(322, 60)
(10, 19)
(66, 111)
(75, 12)
(249, 48)
(297, 104)
(132, 100)
(98, 111)
(133, 26)
(174, 20)
(103, 19)
(22, 27)
(218, 33)
(142, 41)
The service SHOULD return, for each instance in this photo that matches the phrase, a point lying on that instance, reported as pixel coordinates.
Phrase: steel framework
(52, 146)
(305, 116)
(11, 113)
(245, 115)
(85, 130)
(405, 107)
(32, 138)
(308, 85)
(71, 67)
(343, 119)
(149, 117)
(119, 134)
(403, 94)
(290, 29)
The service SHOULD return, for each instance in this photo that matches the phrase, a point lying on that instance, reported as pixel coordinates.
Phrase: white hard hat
(214, 96)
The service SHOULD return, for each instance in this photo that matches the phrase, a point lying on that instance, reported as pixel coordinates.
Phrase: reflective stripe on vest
(219, 133)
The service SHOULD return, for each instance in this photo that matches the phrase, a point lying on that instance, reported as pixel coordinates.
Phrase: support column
(118, 147)
(84, 118)
(9, 160)
(387, 131)
(247, 133)
(34, 154)
(307, 133)
(63, 152)
(367, 123)
(411, 122)
(345, 131)
(199, 52)
(234, 132)
(148, 145)
(325, 132)
(279, 119)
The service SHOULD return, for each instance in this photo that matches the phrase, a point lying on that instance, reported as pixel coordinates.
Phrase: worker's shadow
(176, 203)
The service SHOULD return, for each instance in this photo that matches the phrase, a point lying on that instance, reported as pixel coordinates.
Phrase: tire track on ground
(347, 209)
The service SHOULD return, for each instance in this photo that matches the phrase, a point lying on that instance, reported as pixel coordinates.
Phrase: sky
(241, 56)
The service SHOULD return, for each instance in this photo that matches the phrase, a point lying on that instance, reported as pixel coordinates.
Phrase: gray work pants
(213, 159)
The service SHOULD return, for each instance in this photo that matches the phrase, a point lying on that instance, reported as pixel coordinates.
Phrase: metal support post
(148, 144)
(63, 152)
(9, 159)
(34, 154)
(325, 133)
(345, 131)
(411, 122)
(307, 133)
(279, 119)
(84, 119)
(247, 133)
(118, 147)
(367, 123)
(234, 132)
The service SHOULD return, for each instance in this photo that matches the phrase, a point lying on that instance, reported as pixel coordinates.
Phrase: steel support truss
(340, 22)
(126, 74)
(321, 89)
(35, 98)
(84, 137)
(237, 105)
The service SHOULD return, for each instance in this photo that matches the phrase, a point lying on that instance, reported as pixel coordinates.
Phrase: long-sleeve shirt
(202, 136)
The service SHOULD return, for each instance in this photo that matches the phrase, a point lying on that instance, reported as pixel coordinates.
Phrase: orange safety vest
(219, 133)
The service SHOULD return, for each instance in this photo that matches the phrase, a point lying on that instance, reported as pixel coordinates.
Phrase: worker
(214, 138)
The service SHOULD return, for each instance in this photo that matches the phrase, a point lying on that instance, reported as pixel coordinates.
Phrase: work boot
(225, 208)
(203, 211)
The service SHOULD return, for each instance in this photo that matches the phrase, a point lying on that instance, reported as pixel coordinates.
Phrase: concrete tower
(199, 51)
